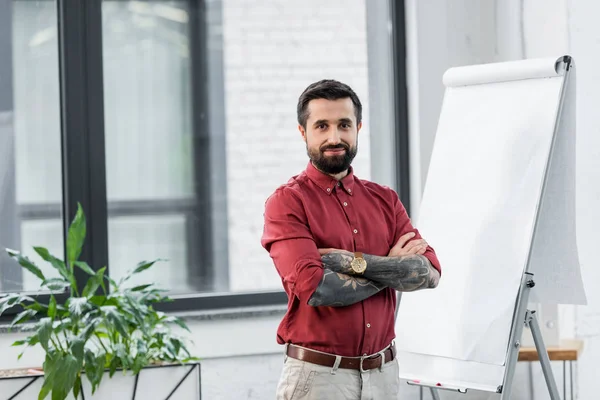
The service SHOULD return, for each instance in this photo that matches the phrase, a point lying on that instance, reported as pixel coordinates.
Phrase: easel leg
(434, 394)
(542, 354)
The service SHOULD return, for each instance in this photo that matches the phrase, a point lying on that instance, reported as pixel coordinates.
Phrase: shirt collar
(328, 183)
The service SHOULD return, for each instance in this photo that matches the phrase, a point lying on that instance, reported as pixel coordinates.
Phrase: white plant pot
(172, 382)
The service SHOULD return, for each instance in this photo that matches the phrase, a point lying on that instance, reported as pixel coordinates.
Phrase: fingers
(326, 251)
(414, 245)
(403, 239)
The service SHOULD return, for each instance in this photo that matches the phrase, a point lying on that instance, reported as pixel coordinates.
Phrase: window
(30, 136)
(173, 121)
(191, 187)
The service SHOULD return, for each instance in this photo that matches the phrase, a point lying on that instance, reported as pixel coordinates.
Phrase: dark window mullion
(82, 124)
(400, 101)
(199, 224)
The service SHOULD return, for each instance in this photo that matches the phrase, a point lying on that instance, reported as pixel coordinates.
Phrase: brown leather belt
(328, 360)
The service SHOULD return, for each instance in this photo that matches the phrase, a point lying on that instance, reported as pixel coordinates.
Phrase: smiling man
(342, 247)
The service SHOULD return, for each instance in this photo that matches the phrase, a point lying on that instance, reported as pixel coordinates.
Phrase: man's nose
(334, 137)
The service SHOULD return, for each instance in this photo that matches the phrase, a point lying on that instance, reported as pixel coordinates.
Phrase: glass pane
(201, 127)
(30, 138)
(149, 153)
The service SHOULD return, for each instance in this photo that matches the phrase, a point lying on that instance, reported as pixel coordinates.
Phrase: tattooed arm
(337, 289)
(405, 273)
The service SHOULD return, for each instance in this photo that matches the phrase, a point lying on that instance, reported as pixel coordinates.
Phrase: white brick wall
(273, 50)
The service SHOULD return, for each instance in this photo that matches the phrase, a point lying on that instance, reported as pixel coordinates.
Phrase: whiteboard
(479, 208)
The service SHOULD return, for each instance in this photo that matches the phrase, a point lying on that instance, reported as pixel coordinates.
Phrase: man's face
(331, 134)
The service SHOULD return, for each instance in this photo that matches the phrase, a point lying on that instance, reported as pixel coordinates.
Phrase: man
(342, 247)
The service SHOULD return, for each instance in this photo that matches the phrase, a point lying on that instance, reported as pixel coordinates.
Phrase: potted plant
(103, 327)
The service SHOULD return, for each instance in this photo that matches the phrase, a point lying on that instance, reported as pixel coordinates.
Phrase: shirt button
(345, 204)
(364, 354)
(338, 184)
(329, 190)
(368, 325)
(349, 191)
(355, 231)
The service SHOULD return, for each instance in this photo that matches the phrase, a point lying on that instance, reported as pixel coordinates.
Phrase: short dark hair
(327, 89)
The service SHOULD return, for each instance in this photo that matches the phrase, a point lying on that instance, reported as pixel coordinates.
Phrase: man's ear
(358, 127)
(302, 132)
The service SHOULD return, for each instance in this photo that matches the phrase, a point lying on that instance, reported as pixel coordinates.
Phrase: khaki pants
(303, 380)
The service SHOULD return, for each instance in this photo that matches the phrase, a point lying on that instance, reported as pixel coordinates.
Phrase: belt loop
(382, 360)
(285, 353)
(336, 364)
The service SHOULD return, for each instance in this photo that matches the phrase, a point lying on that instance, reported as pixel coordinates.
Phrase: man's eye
(322, 126)
(345, 126)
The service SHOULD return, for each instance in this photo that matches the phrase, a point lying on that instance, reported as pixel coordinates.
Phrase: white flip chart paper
(479, 208)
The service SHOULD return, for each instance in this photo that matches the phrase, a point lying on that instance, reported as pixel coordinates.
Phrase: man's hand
(407, 247)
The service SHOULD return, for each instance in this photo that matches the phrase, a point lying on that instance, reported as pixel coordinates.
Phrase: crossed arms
(405, 269)
(323, 277)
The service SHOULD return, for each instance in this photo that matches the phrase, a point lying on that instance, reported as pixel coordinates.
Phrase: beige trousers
(303, 380)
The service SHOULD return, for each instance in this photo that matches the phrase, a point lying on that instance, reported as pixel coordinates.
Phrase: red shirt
(314, 211)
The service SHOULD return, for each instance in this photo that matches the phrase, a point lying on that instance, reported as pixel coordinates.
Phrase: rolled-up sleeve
(404, 225)
(287, 238)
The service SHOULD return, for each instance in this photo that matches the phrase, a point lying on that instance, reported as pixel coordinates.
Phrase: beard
(332, 164)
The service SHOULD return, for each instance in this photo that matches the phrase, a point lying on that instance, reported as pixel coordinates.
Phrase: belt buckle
(360, 365)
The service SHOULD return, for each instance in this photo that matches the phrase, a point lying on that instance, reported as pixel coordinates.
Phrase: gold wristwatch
(358, 264)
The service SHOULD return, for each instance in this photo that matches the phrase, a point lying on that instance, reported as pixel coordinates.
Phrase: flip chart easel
(499, 195)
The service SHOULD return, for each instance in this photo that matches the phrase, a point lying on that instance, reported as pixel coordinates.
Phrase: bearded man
(343, 246)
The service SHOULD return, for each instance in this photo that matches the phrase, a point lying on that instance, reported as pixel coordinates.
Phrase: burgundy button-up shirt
(314, 211)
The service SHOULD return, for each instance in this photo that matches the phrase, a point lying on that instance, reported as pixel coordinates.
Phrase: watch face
(359, 265)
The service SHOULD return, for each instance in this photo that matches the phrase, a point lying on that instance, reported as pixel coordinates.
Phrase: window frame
(83, 148)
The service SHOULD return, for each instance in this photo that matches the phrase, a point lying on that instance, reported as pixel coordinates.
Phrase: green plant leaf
(76, 349)
(44, 332)
(141, 287)
(26, 263)
(63, 375)
(103, 301)
(78, 305)
(116, 319)
(93, 283)
(52, 307)
(58, 264)
(32, 340)
(49, 367)
(85, 267)
(19, 343)
(77, 387)
(76, 235)
(89, 329)
(90, 287)
(144, 265)
(94, 367)
(55, 284)
(37, 307)
(22, 317)
(177, 345)
(8, 301)
(46, 387)
(177, 321)
(65, 324)
(113, 283)
(114, 364)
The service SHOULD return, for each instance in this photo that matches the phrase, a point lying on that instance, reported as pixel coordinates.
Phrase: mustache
(336, 147)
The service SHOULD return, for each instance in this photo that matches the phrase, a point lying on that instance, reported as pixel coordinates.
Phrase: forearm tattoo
(405, 274)
(337, 290)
